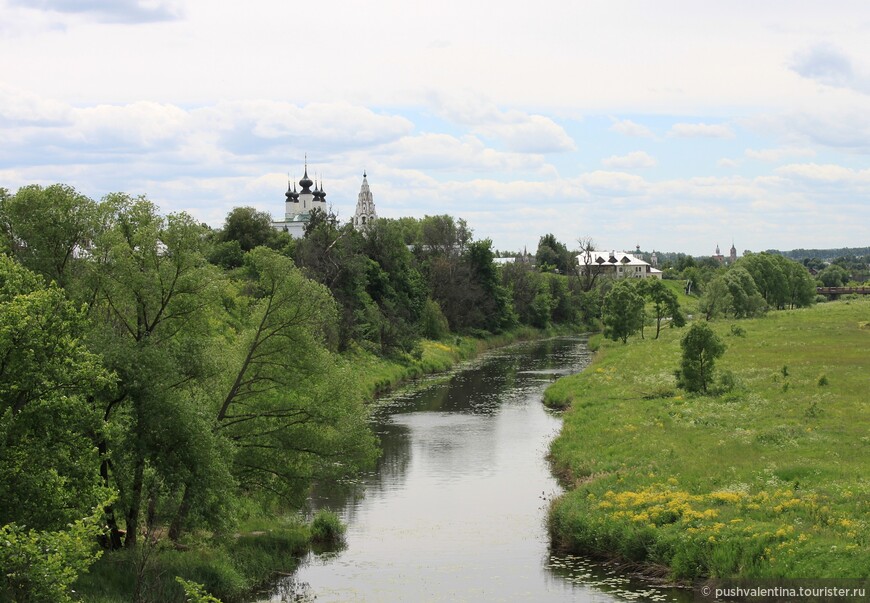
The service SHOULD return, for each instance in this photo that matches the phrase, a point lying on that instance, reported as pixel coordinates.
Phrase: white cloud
(828, 65)
(728, 163)
(518, 131)
(528, 134)
(633, 160)
(700, 130)
(110, 11)
(778, 154)
(827, 173)
(629, 128)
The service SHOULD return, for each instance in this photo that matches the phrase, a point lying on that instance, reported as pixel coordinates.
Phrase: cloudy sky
(672, 125)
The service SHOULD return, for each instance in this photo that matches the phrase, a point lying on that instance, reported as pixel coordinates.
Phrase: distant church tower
(365, 207)
(733, 256)
(299, 205)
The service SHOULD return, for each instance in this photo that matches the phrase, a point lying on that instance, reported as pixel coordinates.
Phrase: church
(299, 205)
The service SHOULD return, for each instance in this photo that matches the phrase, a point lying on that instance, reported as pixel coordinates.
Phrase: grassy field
(767, 477)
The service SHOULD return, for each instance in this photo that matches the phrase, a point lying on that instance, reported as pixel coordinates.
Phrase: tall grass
(765, 477)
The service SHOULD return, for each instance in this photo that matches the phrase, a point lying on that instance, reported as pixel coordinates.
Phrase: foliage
(731, 293)
(290, 408)
(664, 303)
(195, 592)
(251, 228)
(834, 276)
(327, 529)
(41, 566)
(433, 324)
(553, 256)
(49, 466)
(48, 229)
(700, 349)
(623, 312)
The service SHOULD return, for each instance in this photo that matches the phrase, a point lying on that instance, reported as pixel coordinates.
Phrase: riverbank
(766, 478)
(267, 542)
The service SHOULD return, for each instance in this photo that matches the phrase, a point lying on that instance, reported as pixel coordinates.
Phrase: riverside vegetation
(171, 391)
(763, 476)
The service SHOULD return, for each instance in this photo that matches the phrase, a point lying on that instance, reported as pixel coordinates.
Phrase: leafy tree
(291, 410)
(834, 276)
(49, 467)
(40, 566)
(700, 349)
(46, 229)
(433, 323)
(154, 296)
(394, 284)
(664, 303)
(734, 292)
(251, 228)
(623, 311)
(554, 255)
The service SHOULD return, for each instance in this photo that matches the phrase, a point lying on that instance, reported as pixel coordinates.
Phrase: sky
(669, 125)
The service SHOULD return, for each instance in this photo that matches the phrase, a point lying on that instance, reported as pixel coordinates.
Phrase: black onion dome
(306, 182)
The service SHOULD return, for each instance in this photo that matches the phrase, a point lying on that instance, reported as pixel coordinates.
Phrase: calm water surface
(455, 510)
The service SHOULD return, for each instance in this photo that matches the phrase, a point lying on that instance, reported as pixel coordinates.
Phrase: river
(456, 509)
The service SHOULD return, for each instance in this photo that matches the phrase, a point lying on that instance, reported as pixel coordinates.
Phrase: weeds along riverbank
(768, 476)
(267, 539)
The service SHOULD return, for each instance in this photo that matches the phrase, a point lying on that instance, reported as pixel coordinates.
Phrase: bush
(327, 529)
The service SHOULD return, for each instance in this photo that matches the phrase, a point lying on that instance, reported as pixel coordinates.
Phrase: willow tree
(153, 302)
(289, 410)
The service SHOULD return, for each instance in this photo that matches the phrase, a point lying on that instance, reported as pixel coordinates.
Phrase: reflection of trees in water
(389, 472)
(495, 379)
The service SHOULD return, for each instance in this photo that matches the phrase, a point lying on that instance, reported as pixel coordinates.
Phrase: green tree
(834, 276)
(554, 255)
(700, 349)
(154, 303)
(623, 310)
(47, 229)
(665, 304)
(291, 409)
(40, 566)
(49, 466)
(251, 228)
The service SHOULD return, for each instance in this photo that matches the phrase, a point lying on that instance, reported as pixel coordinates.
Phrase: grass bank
(768, 478)
(231, 568)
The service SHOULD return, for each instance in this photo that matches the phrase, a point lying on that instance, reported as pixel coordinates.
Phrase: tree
(700, 348)
(251, 228)
(553, 255)
(153, 303)
(46, 229)
(588, 269)
(665, 304)
(291, 410)
(49, 466)
(834, 276)
(623, 312)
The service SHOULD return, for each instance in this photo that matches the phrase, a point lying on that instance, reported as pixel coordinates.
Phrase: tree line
(157, 372)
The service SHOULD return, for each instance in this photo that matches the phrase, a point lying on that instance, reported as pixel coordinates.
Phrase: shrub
(327, 529)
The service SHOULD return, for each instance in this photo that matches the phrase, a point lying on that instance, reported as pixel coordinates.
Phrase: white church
(299, 205)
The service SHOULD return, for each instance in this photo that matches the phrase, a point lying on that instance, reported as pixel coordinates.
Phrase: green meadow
(768, 476)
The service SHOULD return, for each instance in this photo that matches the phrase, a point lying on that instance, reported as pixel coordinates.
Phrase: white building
(619, 264)
(299, 205)
(365, 207)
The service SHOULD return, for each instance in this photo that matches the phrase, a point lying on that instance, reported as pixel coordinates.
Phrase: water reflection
(455, 510)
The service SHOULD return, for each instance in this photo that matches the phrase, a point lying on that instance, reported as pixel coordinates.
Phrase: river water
(456, 509)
